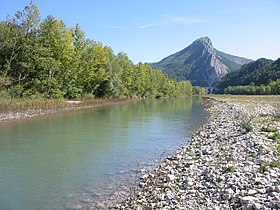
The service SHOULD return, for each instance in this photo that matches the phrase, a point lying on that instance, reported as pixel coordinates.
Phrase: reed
(23, 104)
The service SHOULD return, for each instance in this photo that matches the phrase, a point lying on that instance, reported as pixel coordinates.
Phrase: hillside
(200, 63)
(261, 71)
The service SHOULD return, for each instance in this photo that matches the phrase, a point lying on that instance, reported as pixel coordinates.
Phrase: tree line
(48, 59)
(273, 88)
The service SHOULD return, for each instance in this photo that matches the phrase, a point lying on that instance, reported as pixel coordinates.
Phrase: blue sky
(149, 30)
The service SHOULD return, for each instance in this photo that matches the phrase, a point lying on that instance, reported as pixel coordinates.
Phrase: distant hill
(200, 63)
(261, 71)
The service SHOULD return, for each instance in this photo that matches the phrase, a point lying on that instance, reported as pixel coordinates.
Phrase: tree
(18, 37)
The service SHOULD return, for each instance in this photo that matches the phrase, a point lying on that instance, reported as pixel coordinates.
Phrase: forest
(47, 59)
(260, 77)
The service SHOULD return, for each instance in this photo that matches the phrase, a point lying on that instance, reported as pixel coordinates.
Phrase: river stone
(277, 188)
(252, 192)
(178, 156)
(262, 190)
(170, 178)
(145, 176)
(247, 201)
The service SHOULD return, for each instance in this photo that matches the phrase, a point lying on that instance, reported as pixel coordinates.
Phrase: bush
(4, 95)
(16, 91)
(246, 122)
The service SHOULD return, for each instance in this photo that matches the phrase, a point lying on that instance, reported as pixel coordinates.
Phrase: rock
(170, 178)
(142, 170)
(252, 192)
(275, 195)
(248, 201)
(261, 191)
(257, 206)
(145, 176)
(178, 156)
(228, 194)
(277, 188)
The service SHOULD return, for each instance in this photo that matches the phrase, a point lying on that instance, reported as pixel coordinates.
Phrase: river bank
(34, 108)
(232, 162)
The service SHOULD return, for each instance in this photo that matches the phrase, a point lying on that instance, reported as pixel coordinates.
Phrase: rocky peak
(200, 63)
(206, 41)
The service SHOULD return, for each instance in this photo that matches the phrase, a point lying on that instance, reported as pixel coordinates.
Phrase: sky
(149, 30)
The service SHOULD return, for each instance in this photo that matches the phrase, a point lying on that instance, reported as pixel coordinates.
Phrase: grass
(22, 104)
(276, 113)
(43, 105)
(245, 121)
(275, 136)
(275, 164)
(269, 129)
(230, 169)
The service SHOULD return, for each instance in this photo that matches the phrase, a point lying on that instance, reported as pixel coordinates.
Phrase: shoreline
(232, 162)
(69, 105)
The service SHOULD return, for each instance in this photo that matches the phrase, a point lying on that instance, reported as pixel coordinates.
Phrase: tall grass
(23, 104)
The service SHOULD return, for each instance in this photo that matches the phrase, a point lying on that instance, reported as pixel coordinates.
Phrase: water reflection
(45, 159)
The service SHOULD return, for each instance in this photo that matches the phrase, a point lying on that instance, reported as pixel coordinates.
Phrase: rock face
(200, 63)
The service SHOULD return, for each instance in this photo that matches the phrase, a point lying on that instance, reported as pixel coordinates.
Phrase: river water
(47, 162)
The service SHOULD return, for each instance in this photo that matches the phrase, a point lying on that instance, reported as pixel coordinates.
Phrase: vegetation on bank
(260, 77)
(47, 59)
(260, 72)
(273, 88)
(197, 90)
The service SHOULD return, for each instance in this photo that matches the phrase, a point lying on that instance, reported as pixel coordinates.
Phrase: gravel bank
(230, 163)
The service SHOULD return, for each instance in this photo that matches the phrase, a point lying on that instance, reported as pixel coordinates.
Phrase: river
(47, 162)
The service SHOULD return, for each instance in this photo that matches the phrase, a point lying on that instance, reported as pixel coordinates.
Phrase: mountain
(200, 63)
(261, 71)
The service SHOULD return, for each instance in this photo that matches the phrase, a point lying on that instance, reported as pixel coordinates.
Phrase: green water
(44, 161)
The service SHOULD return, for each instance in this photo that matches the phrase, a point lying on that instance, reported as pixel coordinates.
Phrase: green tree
(57, 56)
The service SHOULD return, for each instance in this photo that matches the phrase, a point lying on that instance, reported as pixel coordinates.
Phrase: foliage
(230, 169)
(50, 60)
(198, 90)
(273, 88)
(245, 121)
(259, 72)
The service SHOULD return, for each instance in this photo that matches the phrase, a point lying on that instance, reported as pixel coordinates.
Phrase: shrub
(268, 129)
(230, 169)
(276, 113)
(246, 123)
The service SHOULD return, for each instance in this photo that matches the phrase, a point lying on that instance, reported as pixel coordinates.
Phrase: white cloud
(146, 26)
